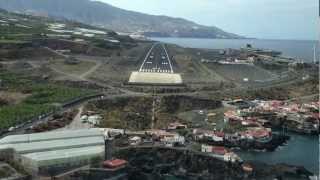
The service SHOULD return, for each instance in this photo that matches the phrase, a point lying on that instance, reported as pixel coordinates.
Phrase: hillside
(26, 36)
(107, 16)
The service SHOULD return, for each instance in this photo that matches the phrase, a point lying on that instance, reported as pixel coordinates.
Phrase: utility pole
(317, 58)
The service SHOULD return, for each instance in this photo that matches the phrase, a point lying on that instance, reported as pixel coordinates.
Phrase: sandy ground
(88, 67)
(76, 123)
(13, 97)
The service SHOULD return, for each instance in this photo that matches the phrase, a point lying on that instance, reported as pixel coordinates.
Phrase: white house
(170, 141)
(135, 141)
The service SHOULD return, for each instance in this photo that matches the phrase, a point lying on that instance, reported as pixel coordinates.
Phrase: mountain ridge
(105, 15)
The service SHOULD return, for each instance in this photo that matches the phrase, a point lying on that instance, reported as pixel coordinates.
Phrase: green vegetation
(5, 172)
(12, 29)
(15, 34)
(132, 113)
(8, 41)
(113, 119)
(43, 94)
(11, 115)
(43, 99)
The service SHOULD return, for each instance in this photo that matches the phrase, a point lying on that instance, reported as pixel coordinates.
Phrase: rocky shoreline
(276, 141)
(169, 163)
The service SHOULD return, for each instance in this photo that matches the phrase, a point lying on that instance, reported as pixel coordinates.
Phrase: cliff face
(105, 15)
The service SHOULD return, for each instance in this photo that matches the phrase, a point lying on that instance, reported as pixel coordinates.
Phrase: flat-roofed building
(47, 153)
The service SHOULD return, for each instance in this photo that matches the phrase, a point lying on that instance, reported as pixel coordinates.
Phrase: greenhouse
(46, 152)
(56, 135)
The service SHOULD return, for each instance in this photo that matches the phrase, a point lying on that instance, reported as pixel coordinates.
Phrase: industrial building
(48, 153)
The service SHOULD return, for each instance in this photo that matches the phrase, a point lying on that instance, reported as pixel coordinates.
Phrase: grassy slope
(44, 98)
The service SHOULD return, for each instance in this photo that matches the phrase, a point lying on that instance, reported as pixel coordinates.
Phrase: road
(161, 63)
(76, 122)
(85, 75)
(157, 60)
(21, 129)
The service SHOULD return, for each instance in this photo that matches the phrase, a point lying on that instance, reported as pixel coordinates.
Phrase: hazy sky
(271, 19)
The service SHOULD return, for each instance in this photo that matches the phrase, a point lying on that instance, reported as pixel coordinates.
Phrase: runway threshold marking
(165, 50)
(145, 59)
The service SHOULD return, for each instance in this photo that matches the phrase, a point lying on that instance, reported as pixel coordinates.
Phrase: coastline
(300, 49)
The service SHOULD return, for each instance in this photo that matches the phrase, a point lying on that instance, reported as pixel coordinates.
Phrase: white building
(135, 141)
(171, 141)
(53, 151)
(220, 153)
(94, 120)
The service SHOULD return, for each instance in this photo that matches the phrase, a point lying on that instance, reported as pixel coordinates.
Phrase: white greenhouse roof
(41, 146)
(47, 136)
(58, 147)
(55, 157)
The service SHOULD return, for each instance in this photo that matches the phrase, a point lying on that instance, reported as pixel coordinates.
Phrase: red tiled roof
(114, 163)
(219, 150)
(276, 103)
(247, 167)
(219, 134)
(259, 133)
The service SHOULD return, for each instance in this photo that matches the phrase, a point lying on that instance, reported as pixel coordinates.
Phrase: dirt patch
(76, 69)
(116, 69)
(283, 91)
(136, 113)
(20, 66)
(56, 122)
(193, 71)
(11, 98)
(238, 73)
(26, 52)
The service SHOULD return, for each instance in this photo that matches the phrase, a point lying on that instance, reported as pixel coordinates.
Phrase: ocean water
(300, 49)
(300, 150)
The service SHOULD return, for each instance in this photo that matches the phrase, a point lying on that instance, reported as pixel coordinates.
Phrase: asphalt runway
(157, 60)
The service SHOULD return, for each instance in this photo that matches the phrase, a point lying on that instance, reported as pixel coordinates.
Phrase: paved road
(157, 60)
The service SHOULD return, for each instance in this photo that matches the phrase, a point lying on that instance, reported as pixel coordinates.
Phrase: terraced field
(42, 98)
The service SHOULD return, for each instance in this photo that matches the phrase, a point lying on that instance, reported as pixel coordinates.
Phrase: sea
(301, 150)
(299, 49)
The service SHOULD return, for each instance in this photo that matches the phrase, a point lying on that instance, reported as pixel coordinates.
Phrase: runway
(157, 60)
(156, 69)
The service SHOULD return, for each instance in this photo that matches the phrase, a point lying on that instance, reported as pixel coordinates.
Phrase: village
(84, 102)
(247, 125)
